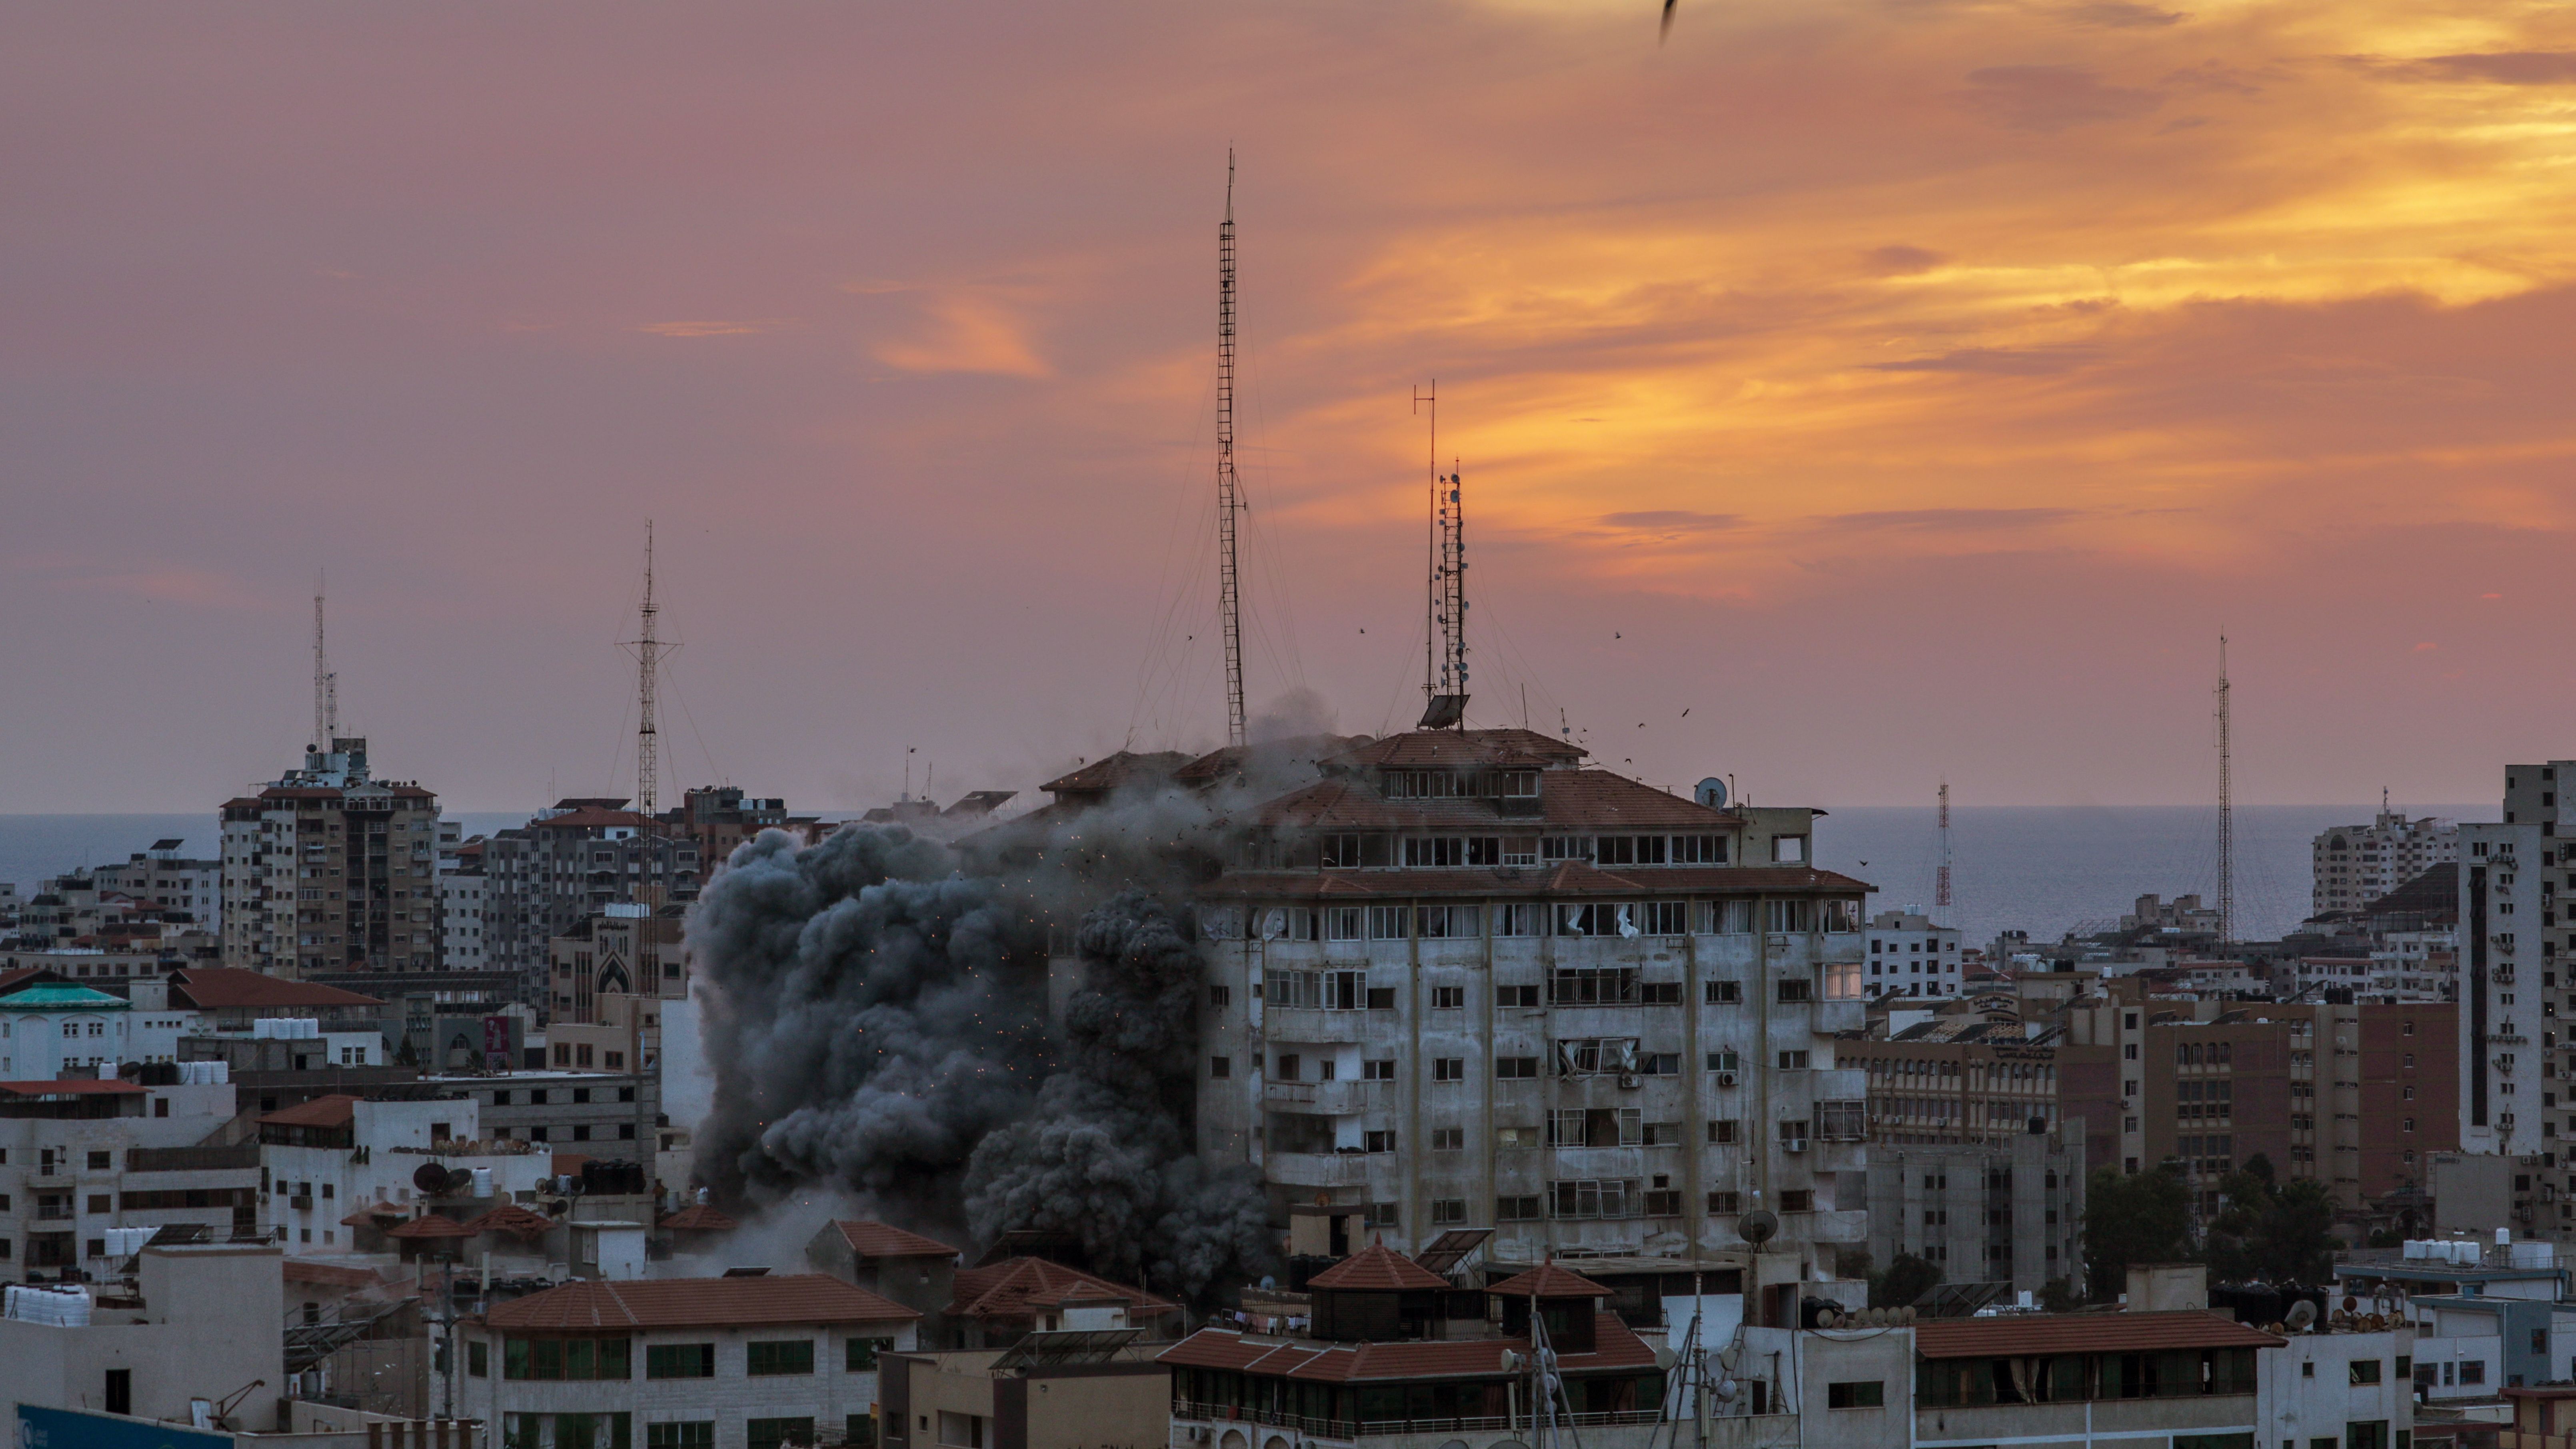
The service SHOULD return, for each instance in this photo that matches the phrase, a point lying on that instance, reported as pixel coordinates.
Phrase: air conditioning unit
(1726, 1079)
(1794, 1144)
(1629, 1081)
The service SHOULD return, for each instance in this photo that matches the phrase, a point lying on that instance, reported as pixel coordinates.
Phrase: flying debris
(1665, 32)
(1686, 714)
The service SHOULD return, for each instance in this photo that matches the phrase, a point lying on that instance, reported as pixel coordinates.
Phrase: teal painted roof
(61, 998)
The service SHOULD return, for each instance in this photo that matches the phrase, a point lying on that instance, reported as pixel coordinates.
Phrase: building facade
(79, 1158)
(1463, 981)
(331, 870)
(2510, 944)
(2011, 1214)
(1910, 956)
(567, 865)
(2357, 864)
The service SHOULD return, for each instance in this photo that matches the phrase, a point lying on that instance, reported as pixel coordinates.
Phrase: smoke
(1297, 714)
(877, 1026)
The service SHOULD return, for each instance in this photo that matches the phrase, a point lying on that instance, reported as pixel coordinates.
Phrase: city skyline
(1906, 393)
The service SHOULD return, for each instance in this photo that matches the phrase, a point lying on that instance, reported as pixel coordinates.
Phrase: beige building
(330, 870)
(205, 1329)
(2357, 864)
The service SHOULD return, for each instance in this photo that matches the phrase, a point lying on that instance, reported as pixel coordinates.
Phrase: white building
(205, 1330)
(2510, 942)
(329, 869)
(81, 1157)
(328, 1160)
(50, 1031)
(682, 1363)
(2357, 864)
(460, 916)
(1910, 956)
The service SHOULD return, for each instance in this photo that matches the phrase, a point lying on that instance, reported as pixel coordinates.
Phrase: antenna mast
(1941, 880)
(648, 656)
(326, 685)
(2226, 811)
(1229, 490)
(1444, 663)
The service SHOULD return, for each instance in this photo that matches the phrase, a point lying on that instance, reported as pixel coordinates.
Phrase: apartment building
(1970, 1080)
(600, 1113)
(331, 1165)
(1463, 980)
(1910, 956)
(199, 1327)
(621, 951)
(162, 878)
(2510, 943)
(329, 869)
(462, 900)
(2009, 1213)
(567, 865)
(80, 1157)
(751, 1362)
(2355, 865)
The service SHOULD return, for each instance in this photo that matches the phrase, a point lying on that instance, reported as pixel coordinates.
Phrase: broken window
(1434, 922)
(1565, 847)
(1434, 851)
(1602, 986)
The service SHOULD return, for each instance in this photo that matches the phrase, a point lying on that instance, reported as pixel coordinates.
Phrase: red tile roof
(1616, 1348)
(511, 1218)
(330, 1275)
(210, 988)
(1418, 748)
(1378, 1268)
(883, 1240)
(2044, 1333)
(338, 1109)
(1217, 765)
(72, 1087)
(697, 1303)
(1110, 772)
(365, 1217)
(1018, 1287)
(1549, 1281)
(698, 1218)
(435, 1225)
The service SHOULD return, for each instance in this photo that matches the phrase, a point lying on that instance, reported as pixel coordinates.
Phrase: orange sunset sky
(1904, 388)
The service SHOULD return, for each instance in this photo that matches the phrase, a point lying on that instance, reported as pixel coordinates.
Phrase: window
(1665, 918)
(860, 1354)
(1379, 1140)
(1795, 989)
(1594, 1198)
(1723, 1132)
(1345, 923)
(1220, 997)
(1515, 1068)
(693, 1434)
(1861, 1394)
(99, 1161)
(1387, 923)
(680, 1361)
(1516, 996)
(779, 1356)
(1448, 1139)
(1725, 1202)
(1794, 1061)
(1516, 1209)
(1448, 1210)
(1449, 1069)
(478, 1359)
(1785, 916)
(1434, 923)
(2365, 1371)
(1699, 850)
(1725, 1061)
(1788, 850)
(1515, 1139)
(1526, 918)
(771, 1433)
(1448, 998)
(566, 1358)
(1603, 987)
(1220, 1068)
(1723, 993)
(861, 1432)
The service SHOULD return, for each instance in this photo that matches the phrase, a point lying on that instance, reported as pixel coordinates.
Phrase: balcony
(1317, 1169)
(1325, 1099)
(1311, 1024)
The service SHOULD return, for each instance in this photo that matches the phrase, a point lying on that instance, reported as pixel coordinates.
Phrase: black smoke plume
(877, 1022)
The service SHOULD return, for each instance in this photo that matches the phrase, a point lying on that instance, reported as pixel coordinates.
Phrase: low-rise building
(201, 1328)
(601, 1113)
(81, 1158)
(2010, 1213)
(997, 1304)
(324, 1164)
(1911, 956)
(683, 1363)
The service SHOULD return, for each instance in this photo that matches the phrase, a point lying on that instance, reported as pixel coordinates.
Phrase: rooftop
(696, 1303)
(883, 1240)
(2047, 1333)
(1019, 1287)
(61, 998)
(1378, 1268)
(1617, 1347)
(213, 988)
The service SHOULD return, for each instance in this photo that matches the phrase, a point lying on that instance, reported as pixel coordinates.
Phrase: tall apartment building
(165, 879)
(2510, 942)
(329, 869)
(2006, 1212)
(1910, 956)
(2358, 864)
(1464, 981)
(568, 864)
(463, 899)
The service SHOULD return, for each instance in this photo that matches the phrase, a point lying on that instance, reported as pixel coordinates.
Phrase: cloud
(2509, 67)
(1996, 361)
(1901, 261)
(2123, 15)
(713, 329)
(970, 332)
(1671, 521)
(1950, 520)
(2051, 98)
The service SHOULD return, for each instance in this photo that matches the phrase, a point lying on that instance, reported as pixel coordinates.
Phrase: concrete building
(2011, 1214)
(683, 1363)
(325, 1163)
(163, 878)
(51, 1031)
(2498, 1319)
(1028, 1396)
(2510, 943)
(462, 900)
(919, 1273)
(79, 1158)
(566, 865)
(1463, 981)
(2357, 864)
(1910, 956)
(603, 1114)
(329, 869)
(610, 977)
(1967, 1079)
(202, 1328)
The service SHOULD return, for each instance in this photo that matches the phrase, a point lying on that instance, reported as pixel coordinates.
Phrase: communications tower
(2226, 811)
(1444, 664)
(1229, 488)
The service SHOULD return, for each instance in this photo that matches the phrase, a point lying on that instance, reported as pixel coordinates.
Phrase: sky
(1850, 394)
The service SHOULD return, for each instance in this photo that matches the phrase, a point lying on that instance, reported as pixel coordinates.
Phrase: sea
(2041, 869)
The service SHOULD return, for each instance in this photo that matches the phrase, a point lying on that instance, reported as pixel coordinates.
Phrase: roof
(338, 1109)
(696, 1303)
(305, 1270)
(1548, 1281)
(2045, 1333)
(1616, 1347)
(72, 1087)
(1217, 766)
(433, 1225)
(592, 817)
(882, 1240)
(509, 1217)
(212, 988)
(1572, 878)
(51, 997)
(365, 1217)
(698, 1218)
(1019, 1287)
(1378, 1268)
(1423, 748)
(1111, 772)
(1568, 800)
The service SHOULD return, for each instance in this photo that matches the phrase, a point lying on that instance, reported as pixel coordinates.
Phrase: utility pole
(2226, 811)
(1229, 488)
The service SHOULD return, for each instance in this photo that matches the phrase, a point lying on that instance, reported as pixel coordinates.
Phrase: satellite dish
(459, 1180)
(1828, 1318)
(1710, 792)
(1724, 1391)
(429, 1177)
(1512, 1362)
(575, 1187)
(2302, 1313)
(1665, 1358)
(1269, 1284)
(1757, 1227)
